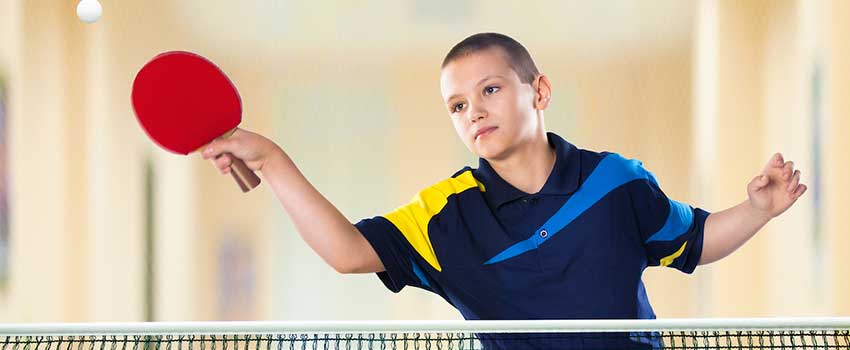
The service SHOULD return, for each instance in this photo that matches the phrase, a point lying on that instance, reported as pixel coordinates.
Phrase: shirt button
(543, 234)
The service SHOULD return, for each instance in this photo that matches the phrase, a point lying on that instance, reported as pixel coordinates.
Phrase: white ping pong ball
(89, 11)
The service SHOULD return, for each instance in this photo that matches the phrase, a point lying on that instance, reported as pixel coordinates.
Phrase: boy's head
(495, 95)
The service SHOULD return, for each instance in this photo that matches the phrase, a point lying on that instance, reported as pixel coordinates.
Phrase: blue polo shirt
(574, 250)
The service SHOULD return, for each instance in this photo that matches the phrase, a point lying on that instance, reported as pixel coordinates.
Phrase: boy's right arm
(318, 222)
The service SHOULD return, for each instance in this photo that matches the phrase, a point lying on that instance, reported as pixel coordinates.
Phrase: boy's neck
(528, 167)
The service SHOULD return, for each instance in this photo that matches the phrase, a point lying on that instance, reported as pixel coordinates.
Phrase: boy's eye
(458, 107)
(491, 90)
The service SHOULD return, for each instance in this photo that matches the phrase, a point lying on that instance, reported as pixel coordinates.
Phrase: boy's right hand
(252, 148)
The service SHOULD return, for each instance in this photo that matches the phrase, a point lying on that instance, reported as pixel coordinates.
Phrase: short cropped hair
(517, 56)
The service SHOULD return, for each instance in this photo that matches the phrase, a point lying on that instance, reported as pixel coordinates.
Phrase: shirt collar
(563, 180)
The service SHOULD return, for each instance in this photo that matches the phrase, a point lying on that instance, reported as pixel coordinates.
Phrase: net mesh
(660, 339)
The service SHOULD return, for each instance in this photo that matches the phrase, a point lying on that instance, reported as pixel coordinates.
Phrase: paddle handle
(244, 176)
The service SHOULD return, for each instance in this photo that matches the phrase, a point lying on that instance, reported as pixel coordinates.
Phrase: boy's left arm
(770, 194)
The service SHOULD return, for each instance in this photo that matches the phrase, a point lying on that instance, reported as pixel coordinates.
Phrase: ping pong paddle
(183, 102)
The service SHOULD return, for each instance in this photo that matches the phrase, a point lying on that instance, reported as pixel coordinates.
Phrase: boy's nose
(477, 113)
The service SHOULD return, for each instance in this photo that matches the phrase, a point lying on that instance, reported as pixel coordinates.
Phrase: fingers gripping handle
(244, 176)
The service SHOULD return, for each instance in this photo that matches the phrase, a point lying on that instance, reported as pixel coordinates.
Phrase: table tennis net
(645, 334)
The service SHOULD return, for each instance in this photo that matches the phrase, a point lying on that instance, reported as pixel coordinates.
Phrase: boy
(541, 229)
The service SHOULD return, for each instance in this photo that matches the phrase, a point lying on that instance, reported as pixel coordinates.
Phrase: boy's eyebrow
(478, 83)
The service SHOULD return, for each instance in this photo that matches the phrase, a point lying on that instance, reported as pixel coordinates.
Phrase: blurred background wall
(99, 225)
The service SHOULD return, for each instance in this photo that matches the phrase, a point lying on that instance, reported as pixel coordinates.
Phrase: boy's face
(492, 111)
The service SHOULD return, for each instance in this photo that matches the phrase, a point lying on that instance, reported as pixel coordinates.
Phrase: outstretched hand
(776, 188)
(252, 148)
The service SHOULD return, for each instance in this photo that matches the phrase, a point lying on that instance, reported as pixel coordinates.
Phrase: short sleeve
(401, 262)
(402, 238)
(671, 231)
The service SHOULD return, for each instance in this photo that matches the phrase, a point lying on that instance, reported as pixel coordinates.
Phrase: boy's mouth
(484, 132)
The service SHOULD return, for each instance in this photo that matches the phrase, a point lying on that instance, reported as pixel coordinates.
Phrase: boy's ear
(542, 92)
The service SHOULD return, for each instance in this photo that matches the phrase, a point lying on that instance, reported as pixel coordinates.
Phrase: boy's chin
(489, 153)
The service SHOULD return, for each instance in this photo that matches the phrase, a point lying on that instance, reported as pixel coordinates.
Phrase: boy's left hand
(777, 188)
